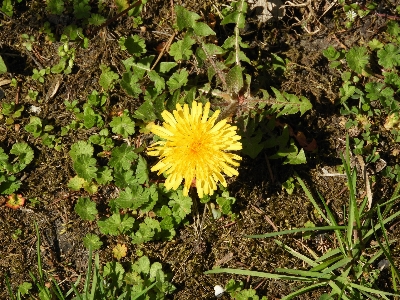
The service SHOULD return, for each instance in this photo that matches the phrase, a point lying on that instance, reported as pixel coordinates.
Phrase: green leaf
(392, 78)
(96, 19)
(25, 155)
(177, 80)
(202, 29)
(234, 79)
(81, 148)
(122, 157)
(3, 158)
(121, 5)
(289, 103)
(335, 64)
(76, 183)
(375, 44)
(115, 271)
(148, 230)
(125, 198)
(107, 78)
(181, 205)
(357, 59)
(159, 82)
(142, 66)
(130, 83)
(373, 90)
(141, 266)
(185, 18)
(91, 119)
(92, 241)
(135, 45)
(208, 50)
(133, 198)
(225, 203)
(142, 171)
(81, 9)
(116, 224)
(181, 50)
(3, 67)
(346, 91)
(85, 167)
(294, 159)
(96, 99)
(124, 179)
(238, 15)
(7, 7)
(34, 127)
(278, 63)
(86, 209)
(104, 175)
(167, 66)
(146, 112)
(8, 184)
(389, 57)
(123, 125)
(331, 53)
(55, 7)
(24, 288)
(393, 28)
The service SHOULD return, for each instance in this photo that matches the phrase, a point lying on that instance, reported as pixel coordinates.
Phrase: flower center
(196, 147)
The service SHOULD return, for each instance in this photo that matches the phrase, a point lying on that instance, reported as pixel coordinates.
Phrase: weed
(343, 267)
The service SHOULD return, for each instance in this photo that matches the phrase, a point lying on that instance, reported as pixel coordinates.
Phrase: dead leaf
(119, 251)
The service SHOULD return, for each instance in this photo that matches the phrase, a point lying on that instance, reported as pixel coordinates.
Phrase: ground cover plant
(148, 148)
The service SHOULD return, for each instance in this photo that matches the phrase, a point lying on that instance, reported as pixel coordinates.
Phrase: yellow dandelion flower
(194, 147)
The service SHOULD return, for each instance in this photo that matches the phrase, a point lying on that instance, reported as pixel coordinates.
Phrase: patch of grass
(347, 267)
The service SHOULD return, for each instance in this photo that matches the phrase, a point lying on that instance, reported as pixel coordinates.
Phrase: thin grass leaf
(56, 290)
(394, 282)
(353, 217)
(378, 254)
(144, 291)
(390, 203)
(328, 254)
(378, 226)
(385, 250)
(78, 295)
(41, 288)
(302, 273)
(311, 198)
(257, 274)
(96, 277)
(304, 290)
(338, 291)
(283, 232)
(101, 281)
(339, 264)
(297, 254)
(88, 273)
(370, 297)
(331, 217)
(39, 258)
(370, 290)
(71, 290)
(10, 292)
(326, 263)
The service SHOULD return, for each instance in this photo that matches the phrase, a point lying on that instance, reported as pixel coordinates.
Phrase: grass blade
(304, 290)
(297, 254)
(257, 274)
(283, 232)
(311, 198)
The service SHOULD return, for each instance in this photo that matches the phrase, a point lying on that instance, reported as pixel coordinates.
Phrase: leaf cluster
(22, 155)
